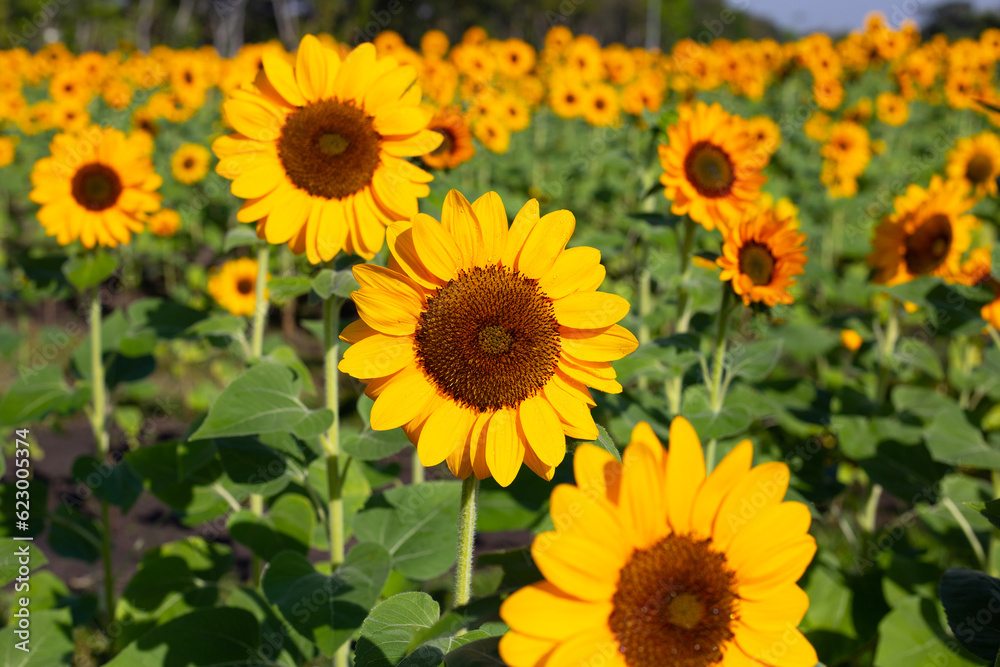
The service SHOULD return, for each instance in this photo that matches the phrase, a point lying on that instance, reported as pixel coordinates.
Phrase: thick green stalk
(334, 472)
(675, 384)
(645, 307)
(466, 540)
(256, 350)
(715, 393)
(417, 469)
(98, 416)
(886, 352)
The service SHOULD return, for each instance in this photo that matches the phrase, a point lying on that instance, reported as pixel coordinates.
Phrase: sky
(839, 15)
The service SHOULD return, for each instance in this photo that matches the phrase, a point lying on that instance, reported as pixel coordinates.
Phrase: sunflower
(492, 133)
(926, 235)
(711, 170)
(320, 147)
(456, 146)
(189, 164)
(234, 286)
(654, 563)
(602, 106)
(8, 150)
(765, 133)
(976, 160)
(104, 197)
(513, 111)
(481, 341)
(515, 58)
(761, 255)
(164, 223)
(567, 96)
(851, 339)
(892, 109)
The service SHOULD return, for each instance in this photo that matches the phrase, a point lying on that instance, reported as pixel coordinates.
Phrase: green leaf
(730, 421)
(325, 609)
(417, 527)
(754, 361)
(288, 287)
(389, 633)
(990, 509)
(32, 397)
(89, 269)
(603, 441)
(262, 400)
(913, 634)
(328, 283)
(287, 525)
(966, 594)
(50, 642)
(227, 325)
(238, 237)
(74, 535)
(369, 444)
(118, 484)
(481, 653)
(214, 637)
(10, 558)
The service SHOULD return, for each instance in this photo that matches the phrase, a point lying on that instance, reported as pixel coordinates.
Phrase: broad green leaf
(262, 400)
(30, 399)
(74, 535)
(213, 637)
(480, 653)
(286, 526)
(416, 525)
(238, 237)
(11, 556)
(328, 283)
(731, 420)
(50, 642)
(118, 483)
(754, 361)
(990, 509)
(219, 325)
(89, 269)
(603, 441)
(913, 634)
(369, 444)
(327, 609)
(389, 634)
(287, 287)
(966, 594)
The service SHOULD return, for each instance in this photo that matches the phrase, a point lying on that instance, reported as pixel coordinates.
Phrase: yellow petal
(788, 648)
(543, 609)
(545, 241)
(401, 120)
(332, 230)
(504, 450)
(435, 247)
(785, 604)
(421, 143)
(462, 224)
(492, 218)
(717, 486)
(447, 428)
(288, 216)
(597, 472)
(542, 429)
(590, 310)
(777, 568)
(281, 76)
(523, 223)
(605, 344)
(389, 87)
(759, 489)
(356, 331)
(377, 356)
(774, 526)
(386, 312)
(643, 504)
(574, 413)
(598, 647)
(519, 650)
(577, 564)
(685, 473)
(588, 513)
(399, 238)
(352, 78)
(576, 269)
(401, 400)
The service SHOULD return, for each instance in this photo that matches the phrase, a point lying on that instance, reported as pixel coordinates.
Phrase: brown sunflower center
(929, 245)
(188, 162)
(709, 170)
(488, 338)
(329, 148)
(245, 286)
(96, 186)
(446, 144)
(675, 605)
(979, 169)
(757, 262)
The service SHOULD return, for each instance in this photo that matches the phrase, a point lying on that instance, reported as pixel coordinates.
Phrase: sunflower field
(489, 353)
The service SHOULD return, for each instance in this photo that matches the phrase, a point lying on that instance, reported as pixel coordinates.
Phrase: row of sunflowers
(797, 338)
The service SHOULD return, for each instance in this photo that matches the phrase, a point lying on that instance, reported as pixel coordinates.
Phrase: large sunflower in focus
(711, 170)
(481, 341)
(105, 197)
(320, 147)
(976, 160)
(656, 564)
(926, 236)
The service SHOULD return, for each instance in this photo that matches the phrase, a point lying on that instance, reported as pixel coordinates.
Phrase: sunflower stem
(416, 469)
(256, 350)
(888, 348)
(334, 475)
(676, 384)
(715, 393)
(98, 418)
(645, 306)
(466, 540)
(994, 567)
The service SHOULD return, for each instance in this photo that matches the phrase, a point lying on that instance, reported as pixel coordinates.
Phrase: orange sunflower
(653, 563)
(761, 255)
(105, 197)
(320, 147)
(712, 172)
(481, 340)
(456, 146)
(926, 235)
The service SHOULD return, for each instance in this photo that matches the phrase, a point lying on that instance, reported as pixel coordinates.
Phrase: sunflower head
(164, 223)
(711, 166)
(926, 235)
(101, 199)
(234, 286)
(189, 164)
(652, 563)
(481, 338)
(456, 140)
(761, 256)
(319, 147)
(976, 160)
